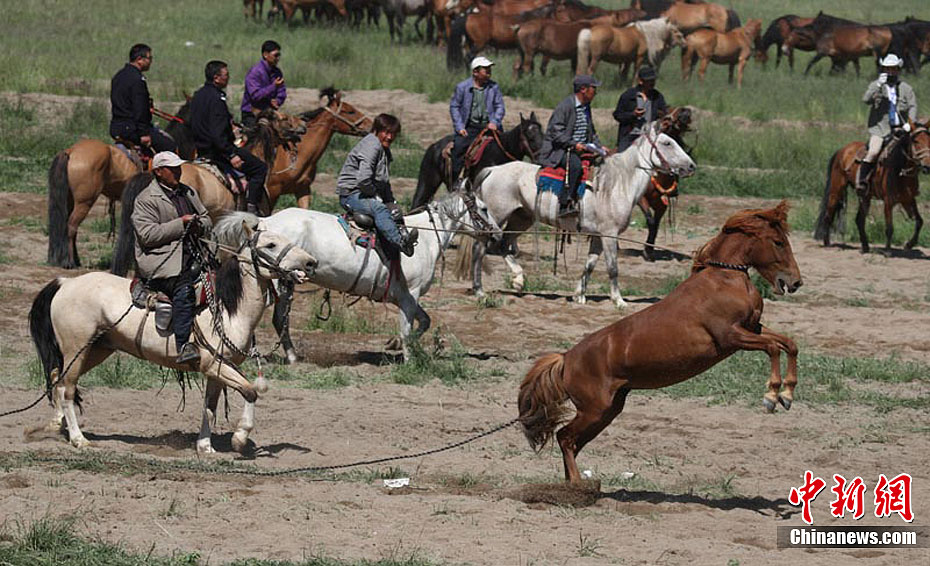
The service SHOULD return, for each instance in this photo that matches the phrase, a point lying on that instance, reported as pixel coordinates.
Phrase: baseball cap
(480, 62)
(647, 73)
(166, 159)
(585, 80)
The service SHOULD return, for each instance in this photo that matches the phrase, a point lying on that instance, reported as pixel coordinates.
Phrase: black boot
(188, 355)
(409, 241)
(863, 177)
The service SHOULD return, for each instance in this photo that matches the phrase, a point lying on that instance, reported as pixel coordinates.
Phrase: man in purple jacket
(476, 104)
(264, 85)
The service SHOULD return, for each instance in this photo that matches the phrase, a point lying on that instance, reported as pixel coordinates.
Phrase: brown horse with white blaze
(894, 181)
(732, 48)
(708, 317)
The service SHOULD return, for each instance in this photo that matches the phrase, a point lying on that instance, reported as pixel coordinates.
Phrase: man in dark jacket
(638, 107)
(476, 104)
(131, 104)
(211, 125)
(569, 133)
(164, 212)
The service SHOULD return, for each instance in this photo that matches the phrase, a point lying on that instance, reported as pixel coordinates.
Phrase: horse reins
(166, 116)
(337, 113)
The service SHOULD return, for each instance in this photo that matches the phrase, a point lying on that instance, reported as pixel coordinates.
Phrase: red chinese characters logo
(805, 494)
(894, 496)
(848, 498)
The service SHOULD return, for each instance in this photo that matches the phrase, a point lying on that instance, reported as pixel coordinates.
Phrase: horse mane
(772, 33)
(263, 133)
(330, 92)
(746, 222)
(311, 115)
(229, 231)
(655, 31)
(229, 285)
(624, 164)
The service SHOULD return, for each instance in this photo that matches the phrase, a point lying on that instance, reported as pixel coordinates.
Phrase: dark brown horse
(664, 186)
(848, 43)
(486, 25)
(776, 34)
(711, 315)
(805, 37)
(894, 181)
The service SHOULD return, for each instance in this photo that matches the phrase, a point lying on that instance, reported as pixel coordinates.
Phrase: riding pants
(573, 162)
(460, 146)
(354, 202)
(874, 148)
(160, 140)
(255, 172)
(181, 290)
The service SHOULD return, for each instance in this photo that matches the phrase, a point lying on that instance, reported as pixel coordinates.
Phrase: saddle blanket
(552, 179)
(356, 235)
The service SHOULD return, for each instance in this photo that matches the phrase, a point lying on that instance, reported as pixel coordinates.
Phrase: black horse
(515, 144)
(180, 131)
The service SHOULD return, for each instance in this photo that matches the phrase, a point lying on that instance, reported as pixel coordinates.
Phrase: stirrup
(568, 210)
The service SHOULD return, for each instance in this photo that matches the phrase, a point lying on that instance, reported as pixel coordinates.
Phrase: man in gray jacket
(167, 218)
(364, 184)
(569, 133)
(893, 106)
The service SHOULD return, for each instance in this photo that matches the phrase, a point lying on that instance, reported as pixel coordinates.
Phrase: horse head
(348, 119)
(757, 238)
(664, 154)
(482, 224)
(272, 256)
(919, 147)
(531, 135)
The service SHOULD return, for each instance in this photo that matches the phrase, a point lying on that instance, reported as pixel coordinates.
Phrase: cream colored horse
(635, 43)
(68, 314)
(732, 48)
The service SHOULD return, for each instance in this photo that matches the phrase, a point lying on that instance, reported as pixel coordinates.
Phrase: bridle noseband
(261, 258)
(337, 113)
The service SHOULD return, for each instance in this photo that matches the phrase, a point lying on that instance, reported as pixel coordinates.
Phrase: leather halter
(261, 258)
(724, 265)
(337, 113)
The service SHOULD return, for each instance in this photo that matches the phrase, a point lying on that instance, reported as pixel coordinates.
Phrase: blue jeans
(353, 202)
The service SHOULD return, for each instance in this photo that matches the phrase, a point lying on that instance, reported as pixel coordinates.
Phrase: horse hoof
(55, 426)
(768, 404)
(80, 443)
(240, 441)
(580, 299)
(291, 357)
(620, 304)
(204, 446)
(518, 284)
(480, 294)
(785, 402)
(261, 385)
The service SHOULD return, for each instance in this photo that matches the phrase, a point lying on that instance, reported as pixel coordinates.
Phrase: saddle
(140, 158)
(553, 179)
(889, 143)
(149, 300)
(473, 153)
(359, 228)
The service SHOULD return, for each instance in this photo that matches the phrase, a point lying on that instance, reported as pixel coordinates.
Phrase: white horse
(509, 191)
(355, 270)
(68, 313)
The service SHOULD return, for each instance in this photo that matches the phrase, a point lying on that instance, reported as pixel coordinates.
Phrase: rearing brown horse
(894, 181)
(711, 315)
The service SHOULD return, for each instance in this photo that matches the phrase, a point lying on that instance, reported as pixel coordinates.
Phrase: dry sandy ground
(711, 482)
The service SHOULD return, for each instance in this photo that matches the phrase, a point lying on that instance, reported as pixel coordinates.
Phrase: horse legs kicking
(593, 415)
(773, 345)
(861, 215)
(595, 247)
(228, 375)
(281, 311)
(910, 207)
(210, 400)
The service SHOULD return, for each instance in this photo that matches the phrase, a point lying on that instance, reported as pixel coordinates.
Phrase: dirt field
(710, 482)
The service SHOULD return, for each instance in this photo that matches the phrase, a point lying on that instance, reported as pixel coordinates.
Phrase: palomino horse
(516, 143)
(89, 168)
(68, 314)
(510, 192)
(486, 25)
(894, 181)
(849, 43)
(649, 40)
(708, 317)
(293, 171)
(76, 178)
(557, 39)
(265, 138)
(732, 48)
(776, 34)
(689, 17)
(359, 271)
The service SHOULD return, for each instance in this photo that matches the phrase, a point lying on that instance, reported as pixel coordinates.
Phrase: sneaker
(189, 355)
(410, 241)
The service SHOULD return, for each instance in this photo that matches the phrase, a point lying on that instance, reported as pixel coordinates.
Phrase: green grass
(56, 542)
(823, 380)
(119, 371)
(450, 364)
(329, 378)
(347, 320)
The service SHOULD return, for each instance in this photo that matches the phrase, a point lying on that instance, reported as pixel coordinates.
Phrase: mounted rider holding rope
(364, 185)
(476, 105)
(164, 212)
(893, 108)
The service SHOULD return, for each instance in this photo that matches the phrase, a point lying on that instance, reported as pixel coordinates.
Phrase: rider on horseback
(264, 85)
(164, 212)
(211, 125)
(570, 133)
(476, 104)
(131, 105)
(893, 109)
(637, 107)
(364, 184)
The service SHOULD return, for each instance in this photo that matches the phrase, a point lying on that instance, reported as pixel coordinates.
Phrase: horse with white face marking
(509, 191)
(355, 270)
(69, 312)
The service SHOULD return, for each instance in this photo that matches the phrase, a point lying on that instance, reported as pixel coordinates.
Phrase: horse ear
(247, 229)
(533, 116)
(521, 118)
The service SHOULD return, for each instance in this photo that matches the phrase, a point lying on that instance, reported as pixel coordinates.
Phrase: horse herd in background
(585, 35)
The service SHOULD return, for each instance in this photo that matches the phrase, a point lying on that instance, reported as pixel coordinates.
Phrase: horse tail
(824, 220)
(541, 399)
(454, 56)
(43, 336)
(60, 205)
(584, 51)
(124, 254)
(733, 21)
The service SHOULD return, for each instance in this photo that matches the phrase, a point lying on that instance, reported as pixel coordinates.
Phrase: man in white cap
(163, 213)
(476, 104)
(893, 107)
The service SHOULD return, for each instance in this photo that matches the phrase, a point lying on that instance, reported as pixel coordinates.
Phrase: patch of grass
(29, 223)
(346, 320)
(122, 371)
(4, 259)
(490, 301)
(762, 285)
(449, 365)
(823, 380)
(588, 546)
(694, 209)
(541, 283)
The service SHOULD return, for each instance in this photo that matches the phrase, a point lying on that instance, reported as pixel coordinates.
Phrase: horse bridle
(665, 167)
(525, 145)
(337, 113)
(261, 258)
